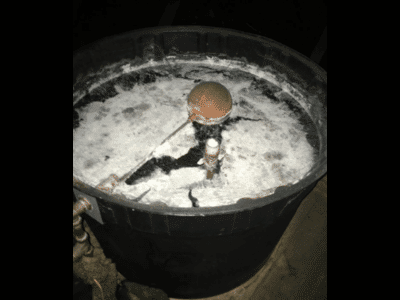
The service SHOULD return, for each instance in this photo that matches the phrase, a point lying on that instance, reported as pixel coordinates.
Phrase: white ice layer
(259, 156)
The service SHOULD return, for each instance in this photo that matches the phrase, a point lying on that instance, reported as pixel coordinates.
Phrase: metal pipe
(79, 233)
(211, 157)
(96, 269)
(83, 247)
(81, 206)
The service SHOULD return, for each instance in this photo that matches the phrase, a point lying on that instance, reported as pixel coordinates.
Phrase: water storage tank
(130, 91)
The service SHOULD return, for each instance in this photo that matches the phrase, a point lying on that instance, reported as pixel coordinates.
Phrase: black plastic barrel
(198, 252)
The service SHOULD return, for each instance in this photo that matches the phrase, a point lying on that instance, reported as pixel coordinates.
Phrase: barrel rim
(282, 192)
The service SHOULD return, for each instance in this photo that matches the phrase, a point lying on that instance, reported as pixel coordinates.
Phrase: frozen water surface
(265, 142)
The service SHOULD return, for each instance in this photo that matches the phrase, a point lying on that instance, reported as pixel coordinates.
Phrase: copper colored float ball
(209, 103)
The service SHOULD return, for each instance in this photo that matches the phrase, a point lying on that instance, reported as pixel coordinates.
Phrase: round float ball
(209, 103)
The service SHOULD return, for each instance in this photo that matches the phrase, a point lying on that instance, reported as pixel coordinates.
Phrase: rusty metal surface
(83, 246)
(80, 207)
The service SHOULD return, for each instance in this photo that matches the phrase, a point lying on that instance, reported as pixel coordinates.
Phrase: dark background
(298, 24)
